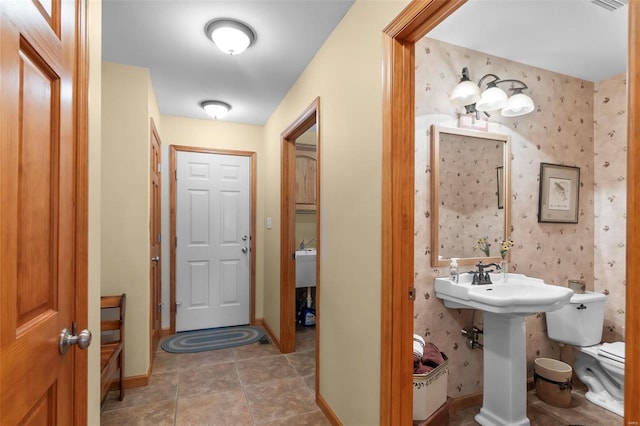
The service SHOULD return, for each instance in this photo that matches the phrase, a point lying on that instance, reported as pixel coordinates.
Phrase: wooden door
(155, 241)
(41, 168)
(213, 260)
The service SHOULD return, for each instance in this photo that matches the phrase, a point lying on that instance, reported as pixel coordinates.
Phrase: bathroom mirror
(470, 194)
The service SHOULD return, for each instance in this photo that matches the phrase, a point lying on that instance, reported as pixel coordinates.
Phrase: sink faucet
(304, 245)
(481, 277)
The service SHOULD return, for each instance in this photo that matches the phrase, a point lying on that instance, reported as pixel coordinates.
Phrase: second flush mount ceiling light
(231, 36)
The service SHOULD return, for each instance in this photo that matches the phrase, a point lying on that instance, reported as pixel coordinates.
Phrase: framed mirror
(470, 194)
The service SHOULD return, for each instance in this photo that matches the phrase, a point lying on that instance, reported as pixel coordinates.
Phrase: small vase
(504, 266)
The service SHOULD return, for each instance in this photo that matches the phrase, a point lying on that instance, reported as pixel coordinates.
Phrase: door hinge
(159, 169)
(159, 237)
(412, 294)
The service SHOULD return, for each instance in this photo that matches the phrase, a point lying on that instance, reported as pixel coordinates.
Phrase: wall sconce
(216, 109)
(231, 36)
(468, 94)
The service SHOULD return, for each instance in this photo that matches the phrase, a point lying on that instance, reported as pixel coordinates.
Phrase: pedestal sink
(505, 304)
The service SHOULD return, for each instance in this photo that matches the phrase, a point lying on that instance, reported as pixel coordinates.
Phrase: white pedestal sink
(505, 306)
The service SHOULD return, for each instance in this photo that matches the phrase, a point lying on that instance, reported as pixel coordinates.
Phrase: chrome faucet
(481, 277)
(304, 245)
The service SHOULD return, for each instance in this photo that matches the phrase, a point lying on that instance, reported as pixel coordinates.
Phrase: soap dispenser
(453, 270)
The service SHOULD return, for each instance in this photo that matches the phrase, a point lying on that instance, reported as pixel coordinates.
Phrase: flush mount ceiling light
(468, 94)
(216, 109)
(231, 36)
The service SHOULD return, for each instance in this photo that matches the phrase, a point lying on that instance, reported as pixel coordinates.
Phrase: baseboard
(466, 401)
(327, 411)
(165, 332)
(262, 323)
(131, 382)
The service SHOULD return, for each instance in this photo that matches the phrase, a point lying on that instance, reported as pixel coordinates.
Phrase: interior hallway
(247, 385)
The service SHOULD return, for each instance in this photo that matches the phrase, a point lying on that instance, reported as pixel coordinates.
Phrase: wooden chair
(112, 347)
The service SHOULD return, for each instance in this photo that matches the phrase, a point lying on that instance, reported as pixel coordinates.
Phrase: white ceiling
(167, 36)
(573, 37)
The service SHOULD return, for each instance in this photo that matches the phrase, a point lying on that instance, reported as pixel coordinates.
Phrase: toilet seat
(613, 351)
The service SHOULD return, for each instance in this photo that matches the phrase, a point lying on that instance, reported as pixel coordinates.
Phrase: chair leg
(121, 362)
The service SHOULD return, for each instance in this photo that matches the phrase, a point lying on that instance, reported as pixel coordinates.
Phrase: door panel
(38, 215)
(213, 214)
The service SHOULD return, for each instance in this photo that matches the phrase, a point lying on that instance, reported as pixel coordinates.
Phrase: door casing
(173, 149)
(155, 243)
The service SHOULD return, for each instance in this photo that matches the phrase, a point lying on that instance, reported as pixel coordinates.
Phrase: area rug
(212, 339)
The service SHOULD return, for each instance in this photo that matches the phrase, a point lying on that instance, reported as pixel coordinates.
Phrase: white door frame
(173, 149)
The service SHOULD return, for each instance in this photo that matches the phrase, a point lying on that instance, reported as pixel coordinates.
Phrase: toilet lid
(614, 351)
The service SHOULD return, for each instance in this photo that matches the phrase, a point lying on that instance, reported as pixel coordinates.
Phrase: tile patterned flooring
(246, 385)
(257, 385)
(581, 412)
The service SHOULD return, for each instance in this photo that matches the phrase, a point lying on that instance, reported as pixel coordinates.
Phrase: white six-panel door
(212, 230)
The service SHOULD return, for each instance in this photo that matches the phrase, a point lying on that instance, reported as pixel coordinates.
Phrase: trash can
(553, 381)
(430, 390)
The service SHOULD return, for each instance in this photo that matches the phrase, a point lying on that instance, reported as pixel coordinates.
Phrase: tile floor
(257, 385)
(247, 385)
(581, 412)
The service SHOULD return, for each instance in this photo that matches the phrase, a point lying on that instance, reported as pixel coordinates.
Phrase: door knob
(155, 259)
(244, 249)
(83, 340)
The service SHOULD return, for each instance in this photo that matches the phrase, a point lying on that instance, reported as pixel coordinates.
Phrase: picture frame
(559, 193)
(500, 180)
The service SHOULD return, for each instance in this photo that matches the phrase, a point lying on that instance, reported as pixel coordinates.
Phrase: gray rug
(212, 339)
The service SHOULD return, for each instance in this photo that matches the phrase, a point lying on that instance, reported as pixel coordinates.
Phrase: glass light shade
(465, 93)
(231, 36)
(216, 109)
(492, 99)
(230, 40)
(518, 104)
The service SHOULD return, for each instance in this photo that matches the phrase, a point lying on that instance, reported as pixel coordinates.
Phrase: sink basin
(518, 295)
(306, 268)
(505, 305)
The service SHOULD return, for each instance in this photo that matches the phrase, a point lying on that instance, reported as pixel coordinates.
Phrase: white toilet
(598, 365)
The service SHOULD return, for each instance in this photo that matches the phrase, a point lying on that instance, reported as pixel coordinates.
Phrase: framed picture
(500, 172)
(559, 190)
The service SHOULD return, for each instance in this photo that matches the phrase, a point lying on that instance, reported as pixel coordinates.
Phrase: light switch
(268, 223)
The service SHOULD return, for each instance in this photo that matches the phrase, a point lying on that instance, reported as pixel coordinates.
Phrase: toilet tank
(579, 322)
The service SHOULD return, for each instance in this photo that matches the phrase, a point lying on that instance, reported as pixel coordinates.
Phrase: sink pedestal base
(505, 371)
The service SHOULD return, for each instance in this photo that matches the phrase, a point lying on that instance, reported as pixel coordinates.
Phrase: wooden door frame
(154, 134)
(173, 149)
(81, 99)
(310, 116)
(399, 39)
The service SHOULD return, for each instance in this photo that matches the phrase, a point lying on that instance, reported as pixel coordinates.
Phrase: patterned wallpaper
(560, 131)
(610, 171)
(468, 194)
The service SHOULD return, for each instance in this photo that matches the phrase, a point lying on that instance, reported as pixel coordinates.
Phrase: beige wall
(94, 20)
(225, 136)
(126, 110)
(306, 228)
(350, 90)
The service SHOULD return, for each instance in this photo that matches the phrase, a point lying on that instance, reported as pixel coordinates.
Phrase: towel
(430, 359)
(431, 355)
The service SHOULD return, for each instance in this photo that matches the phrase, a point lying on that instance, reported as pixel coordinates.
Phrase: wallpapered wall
(559, 131)
(468, 194)
(610, 171)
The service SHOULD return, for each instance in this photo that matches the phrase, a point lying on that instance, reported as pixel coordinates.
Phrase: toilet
(598, 365)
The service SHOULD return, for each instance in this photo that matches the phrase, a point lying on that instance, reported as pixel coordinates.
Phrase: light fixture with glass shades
(231, 36)
(473, 99)
(216, 109)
